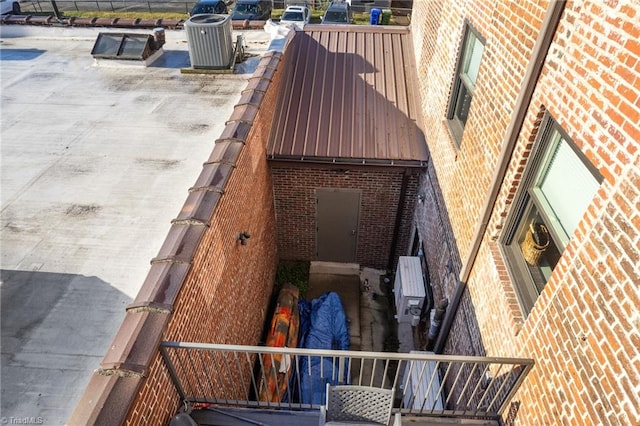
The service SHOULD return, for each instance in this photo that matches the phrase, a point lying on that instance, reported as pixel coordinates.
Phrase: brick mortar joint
(208, 188)
(151, 308)
(190, 222)
(171, 259)
(124, 373)
(516, 318)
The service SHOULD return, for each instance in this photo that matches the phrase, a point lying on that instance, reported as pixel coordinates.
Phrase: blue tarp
(323, 325)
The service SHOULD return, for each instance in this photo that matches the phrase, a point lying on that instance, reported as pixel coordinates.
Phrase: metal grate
(359, 403)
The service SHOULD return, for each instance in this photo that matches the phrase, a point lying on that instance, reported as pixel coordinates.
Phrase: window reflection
(463, 105)
(465, 82)
(539, 250)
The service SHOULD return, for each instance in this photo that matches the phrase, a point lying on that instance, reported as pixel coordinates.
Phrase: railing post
(341, 371)
(55, 9)
(525, 371)
(172, 373)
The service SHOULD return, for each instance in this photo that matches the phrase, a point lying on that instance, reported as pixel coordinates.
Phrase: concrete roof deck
(96, 161)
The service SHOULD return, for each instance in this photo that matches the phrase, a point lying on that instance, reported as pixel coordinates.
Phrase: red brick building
(528, 209)
(346, 153)
(531, 111)
(205, 285)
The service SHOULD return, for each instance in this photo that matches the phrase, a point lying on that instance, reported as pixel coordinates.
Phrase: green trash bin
(386, 16)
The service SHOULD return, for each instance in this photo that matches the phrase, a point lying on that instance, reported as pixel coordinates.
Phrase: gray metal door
(337, 224)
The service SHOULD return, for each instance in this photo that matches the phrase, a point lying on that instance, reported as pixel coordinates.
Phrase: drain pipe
(532, 74)
(398, 224)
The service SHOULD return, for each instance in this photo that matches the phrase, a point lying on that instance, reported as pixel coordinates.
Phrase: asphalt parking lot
(96, 160)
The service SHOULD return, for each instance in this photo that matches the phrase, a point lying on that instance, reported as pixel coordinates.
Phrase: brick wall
(225, 295)
(583, 331)
(294, 189)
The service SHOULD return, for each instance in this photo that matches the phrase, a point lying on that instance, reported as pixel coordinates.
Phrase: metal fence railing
(46, 6)
(161, 6)
(295, 379)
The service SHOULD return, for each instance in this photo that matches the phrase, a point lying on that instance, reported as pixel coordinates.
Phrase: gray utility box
(210, 41)
(408, 289)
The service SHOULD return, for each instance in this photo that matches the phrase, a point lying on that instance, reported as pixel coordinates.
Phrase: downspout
(398, 224)
(529, 83)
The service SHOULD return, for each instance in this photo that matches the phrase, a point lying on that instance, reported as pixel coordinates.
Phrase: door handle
(353, 232)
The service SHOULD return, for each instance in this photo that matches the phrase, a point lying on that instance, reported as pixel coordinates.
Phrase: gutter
(529, 83)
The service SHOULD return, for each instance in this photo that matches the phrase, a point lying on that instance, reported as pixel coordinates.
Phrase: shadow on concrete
(365, 299)
(20, 54)
(55, 330)
(178, 59)
(173, 59)
(248, 64)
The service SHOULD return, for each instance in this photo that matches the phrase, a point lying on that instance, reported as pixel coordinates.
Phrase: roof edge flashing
(350, 161)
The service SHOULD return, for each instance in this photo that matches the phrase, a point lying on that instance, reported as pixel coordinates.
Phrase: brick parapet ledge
(137, 23)
(114, 386)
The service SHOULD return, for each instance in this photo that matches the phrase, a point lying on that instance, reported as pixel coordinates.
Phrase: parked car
(296, 15)
(338, 12)
(9, 6)
(252, 10)
(209, 6)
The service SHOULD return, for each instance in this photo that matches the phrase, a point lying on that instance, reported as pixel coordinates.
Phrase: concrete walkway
(341, 278)
(372, 326)
(366, 303)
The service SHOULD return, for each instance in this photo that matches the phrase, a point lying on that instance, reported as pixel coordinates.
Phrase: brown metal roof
(349, 95)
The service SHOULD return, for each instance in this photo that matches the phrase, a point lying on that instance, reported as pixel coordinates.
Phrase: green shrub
(293, 272)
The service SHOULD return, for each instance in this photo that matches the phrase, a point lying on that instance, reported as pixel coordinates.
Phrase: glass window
(122, 46)
(465, 82)
(558, 185)
(566, 187)
(132, 47)
(107, 44)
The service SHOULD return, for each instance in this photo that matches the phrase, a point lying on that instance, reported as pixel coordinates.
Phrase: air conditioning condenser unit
(408, 289)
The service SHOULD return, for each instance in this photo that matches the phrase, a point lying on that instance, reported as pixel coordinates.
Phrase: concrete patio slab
(348, 288)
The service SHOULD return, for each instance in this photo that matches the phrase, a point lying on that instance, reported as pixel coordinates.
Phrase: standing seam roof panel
(343, 68)
(305, 110)
(360, 100)
(380, 135)
(402, 96)
(350, 102)
(312, 125)
(332, 114)
(284, 102)
(347, 96)
(390, 95)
